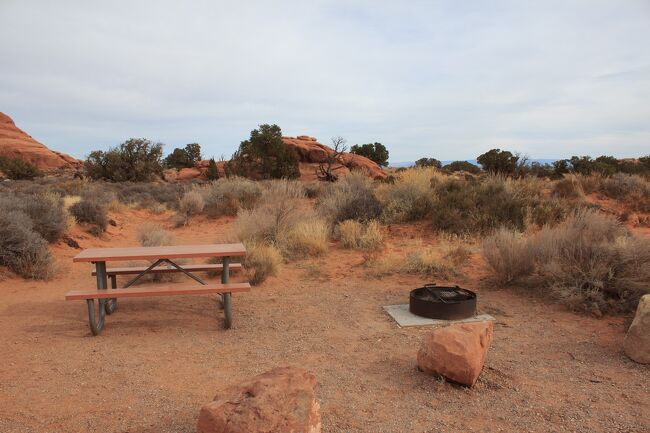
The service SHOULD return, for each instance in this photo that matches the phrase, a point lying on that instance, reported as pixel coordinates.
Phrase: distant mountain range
(471, 161)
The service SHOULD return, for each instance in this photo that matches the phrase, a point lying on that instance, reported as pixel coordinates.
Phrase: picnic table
(162, 259)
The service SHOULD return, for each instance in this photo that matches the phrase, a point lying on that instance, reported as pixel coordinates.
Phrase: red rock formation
(17, 144)
(310, 152)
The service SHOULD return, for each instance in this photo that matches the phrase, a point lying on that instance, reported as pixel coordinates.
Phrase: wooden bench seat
(171, 290)
(134, 270)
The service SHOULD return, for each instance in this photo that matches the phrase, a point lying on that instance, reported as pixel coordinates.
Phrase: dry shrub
(458, 254)
(189, 205)
(411, 196)
(23, 250)
(590, 261)
(568, 187)
(352, 197)
(509, 255)
(305, 239)
(590, 183)
(45, 210)
(314, 188)
(262, 261)
(360, 236)
(479, 206)
(226, 196)
(154, 235)
(427, 261)
(92, 212)
(633, 190)
(277, 212)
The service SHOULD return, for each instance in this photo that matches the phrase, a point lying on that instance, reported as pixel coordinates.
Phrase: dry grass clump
(458, 254)
(509, 255)
(279, 209)
(427, 261)
(590, 183)
(154, 235)
(306, 238)
(226, 196)
(360, 236)
(590, 261)
(189, 205)
(45, 210)
(22, 249)
(282, 219)
(411, 196)
(91, 211)
(352, 197)
(262, 261)
(568, 187)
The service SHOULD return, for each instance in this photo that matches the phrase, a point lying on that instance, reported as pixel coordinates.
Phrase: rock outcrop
(456, 352)
(16, 143)
(280, 401)
(312, 153)
(637, 339)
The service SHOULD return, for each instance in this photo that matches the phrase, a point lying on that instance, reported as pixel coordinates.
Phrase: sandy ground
(159, 359)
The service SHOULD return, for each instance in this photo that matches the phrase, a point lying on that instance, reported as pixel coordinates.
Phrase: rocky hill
(310, 152)
(15, 142)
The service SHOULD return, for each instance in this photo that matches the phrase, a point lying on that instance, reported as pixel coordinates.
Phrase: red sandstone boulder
(279, 401)
(311, 151)
(637, 339)
(456, 352)
(16, 143)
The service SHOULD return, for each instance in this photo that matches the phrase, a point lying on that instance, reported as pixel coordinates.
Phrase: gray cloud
(445, 79)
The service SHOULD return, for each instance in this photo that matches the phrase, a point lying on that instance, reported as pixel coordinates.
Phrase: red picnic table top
(152, 253)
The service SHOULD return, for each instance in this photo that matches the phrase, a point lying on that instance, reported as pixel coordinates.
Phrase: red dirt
(160, 359)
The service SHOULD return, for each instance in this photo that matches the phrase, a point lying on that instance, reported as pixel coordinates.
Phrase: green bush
(183, 158)
(428, 162)
(17, 169)
(376, 152)
(135, 160)
(498, 161)
(462, 166)
(264, 156)
(212, 172)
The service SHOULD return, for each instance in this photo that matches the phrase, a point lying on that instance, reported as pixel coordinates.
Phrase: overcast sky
(446, 79)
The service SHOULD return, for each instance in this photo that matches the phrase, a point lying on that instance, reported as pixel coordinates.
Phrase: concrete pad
(405, 318)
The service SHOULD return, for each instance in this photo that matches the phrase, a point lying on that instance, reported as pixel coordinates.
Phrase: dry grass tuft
(226, 196)
(352, 197)
(262, 261)
(411, 196)
(509, 255)
(306, 238)
(90, 211)
(360, 236)
(189, 205)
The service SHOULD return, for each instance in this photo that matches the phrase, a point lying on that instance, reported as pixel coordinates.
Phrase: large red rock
(16, 143)
(456, 352)
(311, 152)
(279, 401)
(637, 339)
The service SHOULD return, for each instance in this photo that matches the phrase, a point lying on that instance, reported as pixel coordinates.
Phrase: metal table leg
(227, 297)
(111, 304)
(97, 325)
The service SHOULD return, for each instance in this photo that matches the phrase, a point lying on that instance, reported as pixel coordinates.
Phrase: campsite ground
(159, 359)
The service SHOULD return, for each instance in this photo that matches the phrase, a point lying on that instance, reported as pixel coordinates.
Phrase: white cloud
(445, 79)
